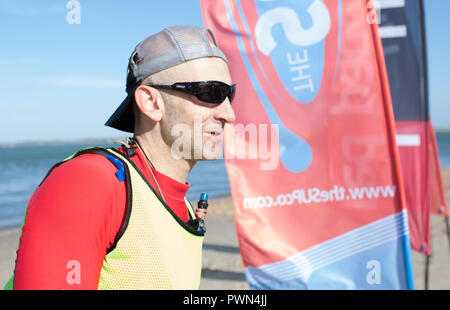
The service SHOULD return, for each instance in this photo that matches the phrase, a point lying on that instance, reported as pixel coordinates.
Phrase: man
(118, 219)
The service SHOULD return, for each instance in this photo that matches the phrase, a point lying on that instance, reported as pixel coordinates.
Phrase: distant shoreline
(59, 142)
(108, 140)
(442, 130)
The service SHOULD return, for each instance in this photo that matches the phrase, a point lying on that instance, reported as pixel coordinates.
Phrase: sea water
(22, 168)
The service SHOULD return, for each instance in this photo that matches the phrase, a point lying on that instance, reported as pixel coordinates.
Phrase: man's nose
(225, 112)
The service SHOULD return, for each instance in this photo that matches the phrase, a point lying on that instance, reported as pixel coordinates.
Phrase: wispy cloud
(22, 62)
(79, 81)
(30, 8)
(84, 81)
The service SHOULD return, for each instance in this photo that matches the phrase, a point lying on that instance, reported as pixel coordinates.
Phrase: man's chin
(212, 151)
(211, 157)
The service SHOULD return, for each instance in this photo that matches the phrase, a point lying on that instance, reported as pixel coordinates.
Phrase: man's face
(191, 127)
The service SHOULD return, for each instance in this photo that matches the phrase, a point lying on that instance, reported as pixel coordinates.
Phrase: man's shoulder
(89, 165)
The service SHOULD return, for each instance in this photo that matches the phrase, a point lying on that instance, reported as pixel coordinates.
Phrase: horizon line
(110, 139)
(50, 142)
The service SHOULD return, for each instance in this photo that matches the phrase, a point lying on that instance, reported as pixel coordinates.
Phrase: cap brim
(123, 117)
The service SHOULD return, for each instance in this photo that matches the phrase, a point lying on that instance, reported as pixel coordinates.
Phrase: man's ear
(149, 102)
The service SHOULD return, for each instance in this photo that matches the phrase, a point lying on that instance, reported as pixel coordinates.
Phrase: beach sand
(222, 264)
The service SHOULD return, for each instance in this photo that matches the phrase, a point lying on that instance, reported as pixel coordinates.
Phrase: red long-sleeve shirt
(73, 218)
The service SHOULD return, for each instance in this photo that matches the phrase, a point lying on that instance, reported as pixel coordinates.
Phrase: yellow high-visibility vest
(154, 249)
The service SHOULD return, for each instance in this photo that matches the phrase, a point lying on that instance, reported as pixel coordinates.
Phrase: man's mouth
(213, 133)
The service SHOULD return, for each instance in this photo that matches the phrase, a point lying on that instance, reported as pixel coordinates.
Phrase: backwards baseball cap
(170, 47)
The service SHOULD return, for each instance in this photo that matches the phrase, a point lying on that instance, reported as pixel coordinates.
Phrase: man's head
(174, 55)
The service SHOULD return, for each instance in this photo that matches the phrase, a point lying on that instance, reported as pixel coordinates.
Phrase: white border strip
(387, 32)
(408, 140)
(391, 4)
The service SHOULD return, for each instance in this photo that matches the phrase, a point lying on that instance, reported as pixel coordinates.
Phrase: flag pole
(427, 271)
(427, 111)
(447, 224)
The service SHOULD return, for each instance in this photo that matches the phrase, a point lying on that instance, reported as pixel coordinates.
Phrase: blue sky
(61, 82)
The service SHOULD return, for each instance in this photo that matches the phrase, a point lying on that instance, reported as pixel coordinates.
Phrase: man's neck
(159, 153)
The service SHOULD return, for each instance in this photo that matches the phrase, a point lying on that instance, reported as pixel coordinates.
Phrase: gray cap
(171, 46)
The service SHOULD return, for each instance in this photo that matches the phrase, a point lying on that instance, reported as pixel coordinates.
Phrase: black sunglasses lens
(214, 92)
(232, 92)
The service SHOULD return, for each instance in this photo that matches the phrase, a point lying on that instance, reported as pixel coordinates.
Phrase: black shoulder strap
(94, 150)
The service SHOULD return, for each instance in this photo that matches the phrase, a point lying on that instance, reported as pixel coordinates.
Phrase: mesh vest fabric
(156, 250)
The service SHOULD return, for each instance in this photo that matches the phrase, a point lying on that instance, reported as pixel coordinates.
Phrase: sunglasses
(208, 91)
